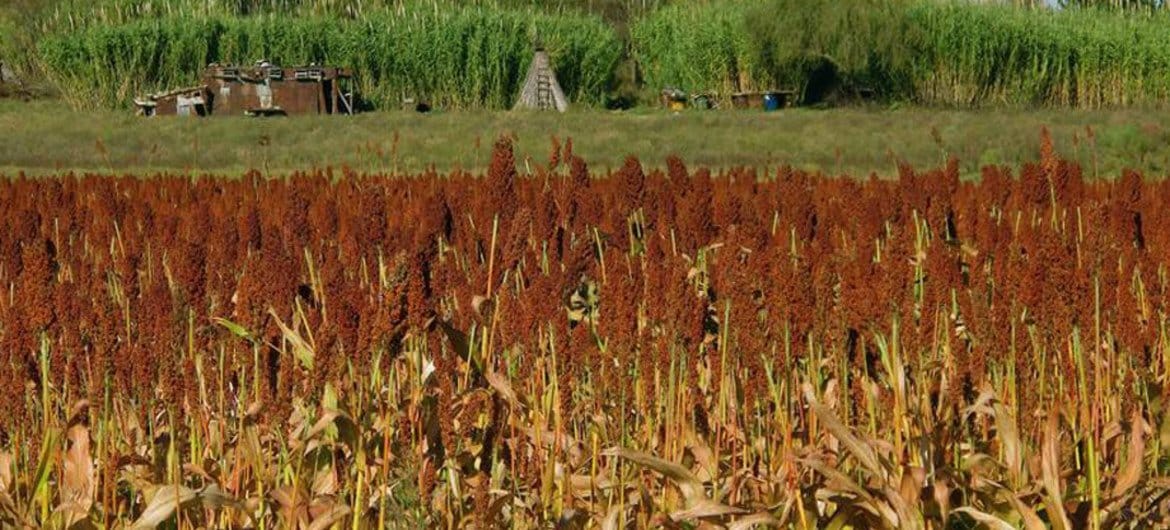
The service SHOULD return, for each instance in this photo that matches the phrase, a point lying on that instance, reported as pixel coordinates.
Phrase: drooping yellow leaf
(78, 483)
(162, 506)
(990, 521)
(1050, 472)
(1129, 475)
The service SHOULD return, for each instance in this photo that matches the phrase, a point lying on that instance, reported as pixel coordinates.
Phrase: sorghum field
(552, 347)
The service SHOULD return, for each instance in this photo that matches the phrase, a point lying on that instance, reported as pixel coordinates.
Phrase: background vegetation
(808, 46)
(937, 53)
(1087, 54)
(466, 57)
(1083, 58)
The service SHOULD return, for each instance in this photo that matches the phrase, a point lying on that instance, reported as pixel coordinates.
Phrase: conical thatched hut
(6, 74)
(541, 90)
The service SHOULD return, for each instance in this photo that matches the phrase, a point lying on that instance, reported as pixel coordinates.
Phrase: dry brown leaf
(692, 490)
(482, 306)
(612, 517)
(545, 439)
(78, 484)
(705, 508)
(77, 412)
(864, 453)
(328, 416)
(983, 403)
(5, 471)
(867, 501)
(285, 496)
(941, 488)
(570, 519)
(1050, 472)
(1009, 437)
(1110, 431)
(1129, 475)
(502, 386)
(496, 508)
(325, 481)
(254, 410)
(7, 506)
(705, 460)
(910, 488)
(698, 504)
(301, 349)
(327, 519)
(213, 498)
(196, 469)
(293, 507)
(991, 521)
(1027, 514)
(755, 520)
(585, 484)
(162, 506)
(320, 506)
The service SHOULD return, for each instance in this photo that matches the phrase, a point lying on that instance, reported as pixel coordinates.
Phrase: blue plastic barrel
(771, 101)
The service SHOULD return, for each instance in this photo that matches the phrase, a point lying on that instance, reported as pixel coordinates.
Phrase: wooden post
(321, 97)
(336, 80)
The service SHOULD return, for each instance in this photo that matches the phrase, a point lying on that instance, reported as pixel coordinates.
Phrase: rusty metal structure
(260, 90)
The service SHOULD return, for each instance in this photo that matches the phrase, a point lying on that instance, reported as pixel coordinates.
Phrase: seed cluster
(122, 281)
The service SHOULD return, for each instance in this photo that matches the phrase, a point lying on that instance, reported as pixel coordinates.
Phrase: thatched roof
(6, 74)
(541, 90)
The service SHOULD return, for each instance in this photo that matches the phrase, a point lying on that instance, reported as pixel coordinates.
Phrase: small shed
(261, 90)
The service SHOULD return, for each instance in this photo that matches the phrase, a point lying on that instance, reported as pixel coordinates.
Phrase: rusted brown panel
(297, 97)
(243, 97)
(166, 107)
(232, 97)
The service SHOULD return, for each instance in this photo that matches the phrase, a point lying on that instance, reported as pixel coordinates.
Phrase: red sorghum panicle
(113, 271)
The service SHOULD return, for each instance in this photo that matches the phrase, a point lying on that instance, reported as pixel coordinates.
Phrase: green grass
(43, 137)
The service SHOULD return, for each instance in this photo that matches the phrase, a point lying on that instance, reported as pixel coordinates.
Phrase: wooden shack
(260, 90)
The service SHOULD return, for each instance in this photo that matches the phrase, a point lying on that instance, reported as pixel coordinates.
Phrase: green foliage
(1000, 55)
(932, 52)
(862, 43)
(463, 58)
(696, 47)
(74, 13)
(1115, 4)
(752, 45)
